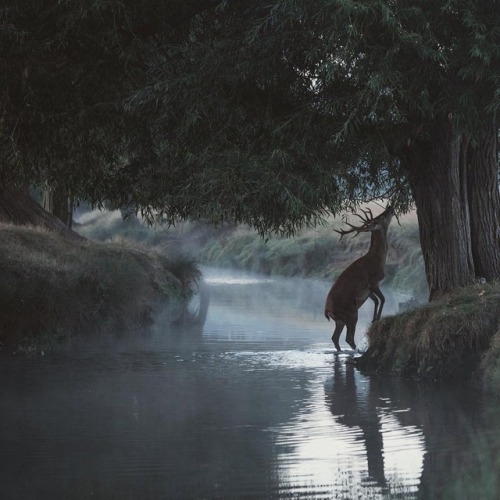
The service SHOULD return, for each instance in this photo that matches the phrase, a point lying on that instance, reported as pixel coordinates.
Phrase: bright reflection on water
(254, 404)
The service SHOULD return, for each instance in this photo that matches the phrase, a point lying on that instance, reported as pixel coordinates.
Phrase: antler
(367, 220)
(368, 215)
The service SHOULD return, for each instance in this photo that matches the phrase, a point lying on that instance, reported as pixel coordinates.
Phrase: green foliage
(270, 114)
(67, 68)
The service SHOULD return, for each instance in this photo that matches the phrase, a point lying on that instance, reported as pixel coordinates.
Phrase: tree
(272, 114)
(350, 99)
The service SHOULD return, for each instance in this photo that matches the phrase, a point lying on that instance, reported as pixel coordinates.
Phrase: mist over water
(255, 403)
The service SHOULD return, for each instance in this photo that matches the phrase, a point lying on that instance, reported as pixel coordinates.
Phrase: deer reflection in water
(434, 437)
(354, 406)
(361, 279)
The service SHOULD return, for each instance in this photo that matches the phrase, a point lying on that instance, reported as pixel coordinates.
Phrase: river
(253, 404)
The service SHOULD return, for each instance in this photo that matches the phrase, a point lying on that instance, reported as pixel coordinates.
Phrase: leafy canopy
(271, 113)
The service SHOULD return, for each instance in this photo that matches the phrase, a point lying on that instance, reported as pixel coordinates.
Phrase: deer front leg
(377, 293)
(376, 303)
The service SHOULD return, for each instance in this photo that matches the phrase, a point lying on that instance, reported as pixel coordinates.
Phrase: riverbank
(54, 287)
(454, 338)
(312, 253)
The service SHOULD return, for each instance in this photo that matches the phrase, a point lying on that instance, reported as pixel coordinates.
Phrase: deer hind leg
(351, 330)
(339, 326)
(380, 296)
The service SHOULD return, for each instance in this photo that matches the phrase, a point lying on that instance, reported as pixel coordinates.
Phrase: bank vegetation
(54, 287)
(454, 338)
(312, 253)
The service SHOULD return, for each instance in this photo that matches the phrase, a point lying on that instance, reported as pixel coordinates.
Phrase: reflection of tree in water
(449, 418)
(353, 407)
(194, 312)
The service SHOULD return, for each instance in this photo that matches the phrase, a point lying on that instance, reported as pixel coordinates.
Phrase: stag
(361, 279)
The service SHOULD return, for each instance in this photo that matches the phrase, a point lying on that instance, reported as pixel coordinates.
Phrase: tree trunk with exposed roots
(484, 205)
(17, 207)
(57, 201)
(455, 188)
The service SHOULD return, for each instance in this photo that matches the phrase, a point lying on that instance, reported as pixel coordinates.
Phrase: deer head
(369, 223)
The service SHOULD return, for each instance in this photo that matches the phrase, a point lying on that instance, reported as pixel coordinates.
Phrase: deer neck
(378, 246)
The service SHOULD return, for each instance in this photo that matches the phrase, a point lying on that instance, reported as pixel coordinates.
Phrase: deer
(361, 279)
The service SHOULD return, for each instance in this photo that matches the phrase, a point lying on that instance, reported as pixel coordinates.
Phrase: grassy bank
(457, 337)
(319, 253)
(312, 253)
(53, 287)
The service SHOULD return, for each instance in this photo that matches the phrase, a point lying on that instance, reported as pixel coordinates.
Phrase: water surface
(253, 404)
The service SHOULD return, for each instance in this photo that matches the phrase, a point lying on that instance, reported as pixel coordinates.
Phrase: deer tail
(327, 315)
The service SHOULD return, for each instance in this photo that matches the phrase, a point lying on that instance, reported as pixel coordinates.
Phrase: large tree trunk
(17, 207)
(484, 204)
(438, 181)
